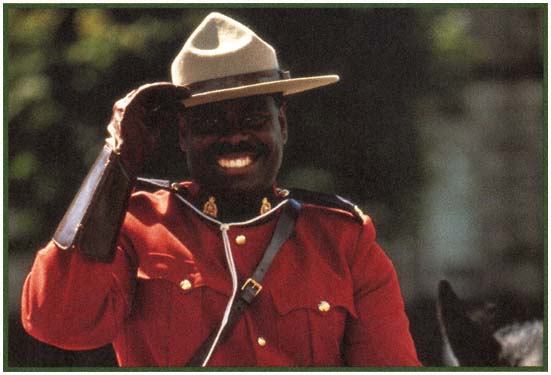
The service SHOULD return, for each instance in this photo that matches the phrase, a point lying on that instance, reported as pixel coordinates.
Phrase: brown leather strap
(251, 288)
(238, 80)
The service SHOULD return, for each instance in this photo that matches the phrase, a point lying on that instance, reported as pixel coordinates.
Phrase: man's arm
(80, 286)
(74, 302)
(380, 336)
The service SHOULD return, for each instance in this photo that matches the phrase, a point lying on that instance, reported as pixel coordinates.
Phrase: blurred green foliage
(451, 40)
(60, 89)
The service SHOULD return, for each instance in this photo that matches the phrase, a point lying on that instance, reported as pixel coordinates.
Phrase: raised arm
(80, 287)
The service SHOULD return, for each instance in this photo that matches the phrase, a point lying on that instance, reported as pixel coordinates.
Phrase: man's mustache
(225, 148)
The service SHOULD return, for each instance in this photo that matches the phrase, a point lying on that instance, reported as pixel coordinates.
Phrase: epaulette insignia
(327, 200)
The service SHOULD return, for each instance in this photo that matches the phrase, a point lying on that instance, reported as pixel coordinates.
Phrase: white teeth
(235, 163)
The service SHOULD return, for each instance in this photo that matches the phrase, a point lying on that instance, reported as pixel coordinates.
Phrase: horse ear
(471, 344)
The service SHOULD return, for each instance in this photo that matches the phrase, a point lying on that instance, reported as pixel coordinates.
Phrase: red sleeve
(74, 302)
(380, 335)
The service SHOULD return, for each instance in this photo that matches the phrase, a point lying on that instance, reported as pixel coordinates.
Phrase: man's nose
(234, 137)
(235, 132)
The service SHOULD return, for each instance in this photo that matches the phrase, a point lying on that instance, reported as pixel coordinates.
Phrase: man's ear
(282, 117)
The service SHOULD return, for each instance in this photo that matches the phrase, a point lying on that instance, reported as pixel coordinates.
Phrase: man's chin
(250, 181)
(239, 188)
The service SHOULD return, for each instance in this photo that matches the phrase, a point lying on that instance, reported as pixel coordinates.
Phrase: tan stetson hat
(223, 59)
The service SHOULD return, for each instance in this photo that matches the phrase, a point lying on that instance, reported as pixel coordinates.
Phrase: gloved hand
(138, 119)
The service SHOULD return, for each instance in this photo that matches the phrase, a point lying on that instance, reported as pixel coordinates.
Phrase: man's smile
(237, 158)
(234, 161)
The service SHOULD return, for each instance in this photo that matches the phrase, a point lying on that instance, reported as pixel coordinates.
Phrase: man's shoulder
(154, 191)
(324, 202)
(329, 202)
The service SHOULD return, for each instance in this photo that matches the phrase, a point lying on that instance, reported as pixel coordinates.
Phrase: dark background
(436, 130)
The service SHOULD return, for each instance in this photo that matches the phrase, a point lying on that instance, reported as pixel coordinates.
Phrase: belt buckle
(254, 285)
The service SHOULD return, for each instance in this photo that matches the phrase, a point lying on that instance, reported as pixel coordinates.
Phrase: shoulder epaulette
(328, 200)
(301, 195)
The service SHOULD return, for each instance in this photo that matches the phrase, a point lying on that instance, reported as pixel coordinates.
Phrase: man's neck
(235, 207)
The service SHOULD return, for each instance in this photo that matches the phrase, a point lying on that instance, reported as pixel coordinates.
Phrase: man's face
(234, 147)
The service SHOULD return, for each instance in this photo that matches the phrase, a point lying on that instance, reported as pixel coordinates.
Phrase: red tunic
(330, 298)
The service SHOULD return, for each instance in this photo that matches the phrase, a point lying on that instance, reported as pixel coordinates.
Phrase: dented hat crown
(223, 59)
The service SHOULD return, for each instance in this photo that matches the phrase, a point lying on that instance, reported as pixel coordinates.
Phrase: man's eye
(256, 120)
(212, 122)
(204, 126)
(209, 124)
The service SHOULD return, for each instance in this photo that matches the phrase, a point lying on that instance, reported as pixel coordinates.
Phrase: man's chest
(184, 284)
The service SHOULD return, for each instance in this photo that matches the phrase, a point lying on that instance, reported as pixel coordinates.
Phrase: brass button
(283, 193)
(240, 240)
(261, 341)
(185, 284)
(324, 306)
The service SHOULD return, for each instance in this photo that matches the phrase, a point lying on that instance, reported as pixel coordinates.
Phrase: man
(227, 269)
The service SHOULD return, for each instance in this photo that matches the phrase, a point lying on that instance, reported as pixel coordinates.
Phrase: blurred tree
(66, 68)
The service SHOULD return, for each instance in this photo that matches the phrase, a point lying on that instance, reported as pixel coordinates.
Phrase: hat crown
(221, 47)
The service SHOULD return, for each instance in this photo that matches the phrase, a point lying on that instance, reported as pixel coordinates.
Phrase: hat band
(238, 80)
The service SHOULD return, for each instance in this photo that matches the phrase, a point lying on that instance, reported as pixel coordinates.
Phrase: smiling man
(227, 269)
(235, 148)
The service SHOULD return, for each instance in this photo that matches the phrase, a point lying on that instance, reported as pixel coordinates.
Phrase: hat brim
(285, 86)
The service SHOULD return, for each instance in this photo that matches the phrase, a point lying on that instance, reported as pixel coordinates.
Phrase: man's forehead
(250, 103)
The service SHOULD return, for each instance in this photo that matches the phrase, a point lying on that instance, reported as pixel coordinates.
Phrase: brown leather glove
(94, 218)
(138, 119)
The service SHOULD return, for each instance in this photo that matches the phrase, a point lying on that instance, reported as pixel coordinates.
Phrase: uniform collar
(234, 211)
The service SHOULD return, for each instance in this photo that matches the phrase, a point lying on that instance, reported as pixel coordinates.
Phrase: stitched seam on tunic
(351, 260)
(311, 337)
(356, 247)
(169, 337)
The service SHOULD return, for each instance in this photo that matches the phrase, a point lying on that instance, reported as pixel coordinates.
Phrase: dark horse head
(474, 341)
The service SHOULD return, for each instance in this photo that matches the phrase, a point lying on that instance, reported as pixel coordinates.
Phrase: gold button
(185, 284)
(261, 341)
(324, 306)
(283, 193)
(240, 240)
